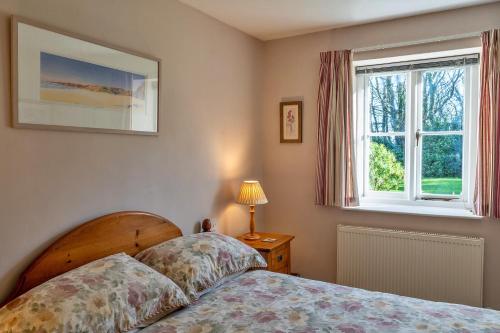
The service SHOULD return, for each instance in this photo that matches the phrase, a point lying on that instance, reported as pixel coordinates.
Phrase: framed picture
(291, 122)
(62, 81)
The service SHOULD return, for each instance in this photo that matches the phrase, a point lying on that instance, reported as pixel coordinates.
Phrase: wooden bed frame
(128, 231)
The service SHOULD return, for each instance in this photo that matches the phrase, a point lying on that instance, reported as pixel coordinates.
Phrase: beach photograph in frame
(73, 81)
(65, 82)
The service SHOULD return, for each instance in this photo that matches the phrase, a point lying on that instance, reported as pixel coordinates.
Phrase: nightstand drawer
(279, 258)
(283, 270)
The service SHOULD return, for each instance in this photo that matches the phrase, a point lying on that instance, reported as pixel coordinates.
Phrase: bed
(257, 300)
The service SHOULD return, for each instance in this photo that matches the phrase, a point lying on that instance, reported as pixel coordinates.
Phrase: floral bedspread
(261, 301)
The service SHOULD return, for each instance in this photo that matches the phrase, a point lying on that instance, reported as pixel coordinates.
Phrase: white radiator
(429, 266)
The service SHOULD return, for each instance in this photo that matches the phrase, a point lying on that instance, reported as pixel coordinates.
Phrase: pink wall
(291, 71)
(52, 181)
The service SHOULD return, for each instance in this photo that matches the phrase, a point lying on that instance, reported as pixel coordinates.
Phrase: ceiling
(272, 19)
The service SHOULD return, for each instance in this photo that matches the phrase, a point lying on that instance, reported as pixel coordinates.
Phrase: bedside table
(277, 253)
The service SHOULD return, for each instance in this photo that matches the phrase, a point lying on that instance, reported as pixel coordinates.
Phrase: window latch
(417, 136)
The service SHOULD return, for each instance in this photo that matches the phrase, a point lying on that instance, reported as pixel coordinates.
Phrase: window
(416, 125)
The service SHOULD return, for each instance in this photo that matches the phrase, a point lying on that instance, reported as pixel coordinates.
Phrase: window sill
(416, 210)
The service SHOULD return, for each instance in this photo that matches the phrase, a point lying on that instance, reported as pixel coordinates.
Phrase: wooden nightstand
(277, 253)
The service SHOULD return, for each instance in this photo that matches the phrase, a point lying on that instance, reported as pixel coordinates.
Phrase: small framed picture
(291, 122)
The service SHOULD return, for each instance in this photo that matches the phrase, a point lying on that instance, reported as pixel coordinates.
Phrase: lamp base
(251, 236)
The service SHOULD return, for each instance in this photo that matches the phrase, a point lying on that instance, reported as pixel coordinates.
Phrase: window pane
(443, 100)
(387, 103)
(387, 163)
(442, 164)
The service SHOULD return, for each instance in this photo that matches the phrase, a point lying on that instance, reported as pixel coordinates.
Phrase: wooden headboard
(129, 232)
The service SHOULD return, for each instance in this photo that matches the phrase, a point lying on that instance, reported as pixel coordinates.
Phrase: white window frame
(412, 195)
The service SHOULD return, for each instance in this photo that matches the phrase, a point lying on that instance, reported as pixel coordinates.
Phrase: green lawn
(440, 185)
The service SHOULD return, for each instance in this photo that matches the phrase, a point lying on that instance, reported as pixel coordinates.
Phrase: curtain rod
(417, 42)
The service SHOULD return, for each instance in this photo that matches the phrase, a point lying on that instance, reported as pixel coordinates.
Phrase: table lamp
(251, 194)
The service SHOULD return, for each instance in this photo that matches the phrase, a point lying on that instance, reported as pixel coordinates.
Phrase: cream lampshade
(251, 194)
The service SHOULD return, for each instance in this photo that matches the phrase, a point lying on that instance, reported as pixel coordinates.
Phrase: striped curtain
(335, 168)
(487, 190)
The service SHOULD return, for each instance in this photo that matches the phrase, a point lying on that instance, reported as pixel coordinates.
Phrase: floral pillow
(201, 261)
(112, 294)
